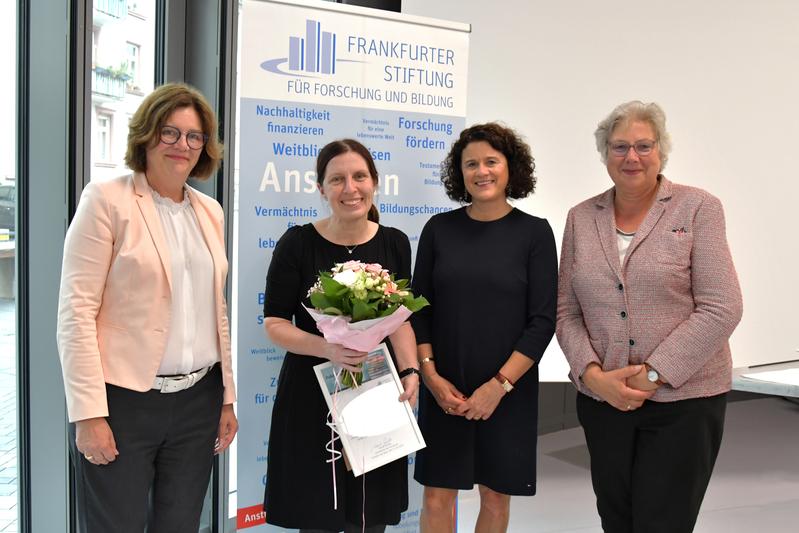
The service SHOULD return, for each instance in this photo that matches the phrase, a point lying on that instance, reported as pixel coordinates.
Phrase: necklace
(349, 249)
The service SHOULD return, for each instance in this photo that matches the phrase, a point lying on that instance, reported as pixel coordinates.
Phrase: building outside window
(134, 52)
(103, 137)
(95, 37)
(9, 230)
(123, 73)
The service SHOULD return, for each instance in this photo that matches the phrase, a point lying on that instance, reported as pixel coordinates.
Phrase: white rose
(346, 277)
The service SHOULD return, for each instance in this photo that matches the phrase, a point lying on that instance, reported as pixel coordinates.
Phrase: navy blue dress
(493, 289)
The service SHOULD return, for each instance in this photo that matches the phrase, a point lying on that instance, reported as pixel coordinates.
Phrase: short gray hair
(639, 111)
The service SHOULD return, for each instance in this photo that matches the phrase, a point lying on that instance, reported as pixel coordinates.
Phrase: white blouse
(623, 241)
(193, 342)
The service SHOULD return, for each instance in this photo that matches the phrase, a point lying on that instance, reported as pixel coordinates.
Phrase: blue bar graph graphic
(295, 58)
(316, 52)
(327, 53)
(310, 50)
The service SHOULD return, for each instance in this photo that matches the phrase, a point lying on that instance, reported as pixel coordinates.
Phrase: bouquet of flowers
(358, 304)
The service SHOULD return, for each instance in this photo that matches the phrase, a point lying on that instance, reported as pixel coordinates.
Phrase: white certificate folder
(375, 428)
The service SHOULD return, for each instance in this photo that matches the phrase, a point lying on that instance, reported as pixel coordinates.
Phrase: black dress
(299, 483)
(493, 288)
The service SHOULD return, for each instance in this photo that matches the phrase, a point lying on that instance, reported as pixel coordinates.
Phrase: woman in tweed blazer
(648, 298)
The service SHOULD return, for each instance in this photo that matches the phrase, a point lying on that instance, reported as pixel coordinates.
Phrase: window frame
(107, 146)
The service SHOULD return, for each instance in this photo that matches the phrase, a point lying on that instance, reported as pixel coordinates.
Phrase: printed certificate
(374, 427)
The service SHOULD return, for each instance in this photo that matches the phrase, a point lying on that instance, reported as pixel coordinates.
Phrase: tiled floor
(754, 489)
(8, 418)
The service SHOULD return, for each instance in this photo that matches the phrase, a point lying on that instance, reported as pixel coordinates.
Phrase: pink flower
(355, 266)
(390, 288)
(374, 268)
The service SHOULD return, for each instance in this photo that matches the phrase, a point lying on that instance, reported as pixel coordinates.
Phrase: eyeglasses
(642, 148)
(194, 139)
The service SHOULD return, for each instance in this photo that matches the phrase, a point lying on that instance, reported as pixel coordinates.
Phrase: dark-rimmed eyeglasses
(194, 139)
(642, 148)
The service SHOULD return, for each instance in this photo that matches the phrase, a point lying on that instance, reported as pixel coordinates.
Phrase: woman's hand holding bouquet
(357, 305)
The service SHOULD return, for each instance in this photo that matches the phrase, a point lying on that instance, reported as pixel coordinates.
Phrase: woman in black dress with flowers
(299, 486)
(490, 274)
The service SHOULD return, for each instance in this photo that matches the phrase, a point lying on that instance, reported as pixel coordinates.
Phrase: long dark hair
(342, 146)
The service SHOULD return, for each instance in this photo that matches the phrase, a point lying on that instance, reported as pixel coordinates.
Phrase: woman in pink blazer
(142, 326)
(648, 298)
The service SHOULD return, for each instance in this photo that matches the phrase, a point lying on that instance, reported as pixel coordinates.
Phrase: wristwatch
(653, 376)
(505, 382)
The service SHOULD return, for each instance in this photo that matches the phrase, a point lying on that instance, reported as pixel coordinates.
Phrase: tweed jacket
(673, 303)
(114, 304)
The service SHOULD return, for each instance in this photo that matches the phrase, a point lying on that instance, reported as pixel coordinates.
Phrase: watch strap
(506, 383)
(408, 371)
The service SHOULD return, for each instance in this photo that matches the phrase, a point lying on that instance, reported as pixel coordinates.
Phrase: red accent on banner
(250, 516)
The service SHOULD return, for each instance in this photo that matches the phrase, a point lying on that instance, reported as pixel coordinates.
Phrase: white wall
(727, 74)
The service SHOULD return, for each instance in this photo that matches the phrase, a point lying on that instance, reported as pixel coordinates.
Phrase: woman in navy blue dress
(489, 271)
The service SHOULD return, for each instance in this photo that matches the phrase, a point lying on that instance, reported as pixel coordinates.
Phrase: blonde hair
(145, 127)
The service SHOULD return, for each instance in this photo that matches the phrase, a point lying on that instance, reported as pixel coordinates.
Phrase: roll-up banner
(312, 72)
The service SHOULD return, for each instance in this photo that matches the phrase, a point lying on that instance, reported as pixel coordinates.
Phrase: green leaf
(319, 300)
(389, 310)
(415, 304)
(331, 286)
(401, 284)
(346, 306)
(361, 311)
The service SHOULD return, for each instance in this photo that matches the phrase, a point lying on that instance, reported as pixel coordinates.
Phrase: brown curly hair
(521, 165)
(144, 129)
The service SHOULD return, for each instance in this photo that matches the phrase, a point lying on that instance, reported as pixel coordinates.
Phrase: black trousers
(650, 467)
(160, 477)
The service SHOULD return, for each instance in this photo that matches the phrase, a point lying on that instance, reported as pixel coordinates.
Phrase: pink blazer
(673, 303)
(114, 302)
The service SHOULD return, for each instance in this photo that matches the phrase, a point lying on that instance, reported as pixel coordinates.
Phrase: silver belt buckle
(173, 384)
(169, 384)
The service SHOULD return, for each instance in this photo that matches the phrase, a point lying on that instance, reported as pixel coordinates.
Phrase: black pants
(650, 467)
(160, 477)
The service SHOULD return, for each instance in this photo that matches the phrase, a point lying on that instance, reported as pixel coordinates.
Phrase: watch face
(652, 375)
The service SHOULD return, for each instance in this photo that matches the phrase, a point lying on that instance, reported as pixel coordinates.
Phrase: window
(103, 141)
(95, 38)
(123, 73)
(134, 51)
(9, 473)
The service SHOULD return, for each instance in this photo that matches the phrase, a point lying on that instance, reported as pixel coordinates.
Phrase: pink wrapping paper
(363, 336)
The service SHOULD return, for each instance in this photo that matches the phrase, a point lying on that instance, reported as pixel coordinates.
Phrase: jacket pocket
(674, 248)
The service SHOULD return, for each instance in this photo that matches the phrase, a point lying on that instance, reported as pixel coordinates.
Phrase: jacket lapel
(606, 229)
(144, 199)
(209, 232)
(652, 217)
